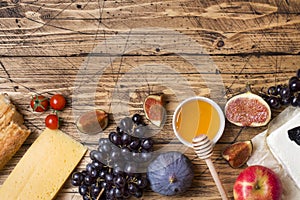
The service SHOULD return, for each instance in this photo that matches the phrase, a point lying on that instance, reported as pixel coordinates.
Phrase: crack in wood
(12, 81)
(7, 74)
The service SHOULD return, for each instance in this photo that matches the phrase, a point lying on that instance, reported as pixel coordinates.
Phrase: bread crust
(12, 131)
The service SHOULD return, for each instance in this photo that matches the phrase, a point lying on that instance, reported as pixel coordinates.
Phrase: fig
(154, 110)
(248, 109)
(92, 122)
(238, 153)
(170, 173)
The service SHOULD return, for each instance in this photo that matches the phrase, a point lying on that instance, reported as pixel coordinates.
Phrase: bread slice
(10, 115)
(11, 139)
(5, 104)
(12, 131)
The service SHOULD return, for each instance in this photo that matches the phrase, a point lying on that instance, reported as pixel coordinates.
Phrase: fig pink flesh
(246, 111)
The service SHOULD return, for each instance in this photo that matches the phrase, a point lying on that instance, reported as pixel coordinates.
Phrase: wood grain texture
(44, 45)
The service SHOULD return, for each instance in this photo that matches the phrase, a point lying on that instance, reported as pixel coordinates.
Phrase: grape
(119, 181)
(86, 197)
(293, 79)
(97, 165)
(138, 194)
(145, 156)
(272, 90)
(77, 176)
(118, 170)
(93, 153)
(111, 193)
(126, 194)
(147, 143)
(126, 139)
(278, 89)
(140, 131)
(295, 86)
(105, 148)
(115, 155)
(94, 173)
(137, 119)
(126, 124)
(274, 102)
(142, 182)
(83, 189)
(109, 178)
(88, 180)
(132, 188)
(103, 141)
(75, 183)
(118, 129)
(285, 101)
(102, 173)
(136, 156)
(298, 73)
(118, 193)
(285, 92)
(130, 168)
(95, 190)
(115, 138)
(125, 152)
(296, 100)
(105, 185)
(118, 177)
(89, 167)
(265, 96)
(134, 144)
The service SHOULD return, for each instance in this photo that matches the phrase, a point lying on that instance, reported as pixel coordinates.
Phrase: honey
(197, 117)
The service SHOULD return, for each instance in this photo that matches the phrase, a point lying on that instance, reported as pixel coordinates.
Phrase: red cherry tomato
(52, 121)
(39, 103)
(58, 102)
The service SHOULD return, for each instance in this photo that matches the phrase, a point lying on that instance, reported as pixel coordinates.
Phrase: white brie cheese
(287, 152)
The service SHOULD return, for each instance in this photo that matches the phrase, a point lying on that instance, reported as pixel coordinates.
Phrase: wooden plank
(222, 27)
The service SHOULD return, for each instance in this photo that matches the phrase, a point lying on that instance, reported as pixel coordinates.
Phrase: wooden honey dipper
(203, 148)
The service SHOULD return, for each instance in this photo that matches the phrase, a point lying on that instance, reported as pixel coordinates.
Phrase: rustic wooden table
(216, 47)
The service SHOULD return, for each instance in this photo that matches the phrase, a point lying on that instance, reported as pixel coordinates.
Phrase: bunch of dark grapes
(281, 95)
(114, 167)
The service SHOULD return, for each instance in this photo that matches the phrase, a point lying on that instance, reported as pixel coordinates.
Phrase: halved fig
(92, 122)
(247, 109)
(238, 153)
(154, 109)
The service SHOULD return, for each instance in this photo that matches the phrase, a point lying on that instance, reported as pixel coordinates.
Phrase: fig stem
(248, 87)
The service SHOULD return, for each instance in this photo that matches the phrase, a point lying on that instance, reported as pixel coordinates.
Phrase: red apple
(257, 183)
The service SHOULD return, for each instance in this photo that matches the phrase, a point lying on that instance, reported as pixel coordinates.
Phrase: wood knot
(15, 1)
(220, 43)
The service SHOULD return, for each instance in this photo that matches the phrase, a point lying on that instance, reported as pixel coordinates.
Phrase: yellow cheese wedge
(44, 168)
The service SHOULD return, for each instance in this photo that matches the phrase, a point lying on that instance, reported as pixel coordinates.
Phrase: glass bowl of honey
(198, 115)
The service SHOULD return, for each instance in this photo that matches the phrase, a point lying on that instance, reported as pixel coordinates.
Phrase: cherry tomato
(52, 121)
(39, 103)
(58, 102)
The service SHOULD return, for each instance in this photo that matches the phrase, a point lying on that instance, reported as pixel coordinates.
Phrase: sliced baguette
(12, 131)
(11, 139)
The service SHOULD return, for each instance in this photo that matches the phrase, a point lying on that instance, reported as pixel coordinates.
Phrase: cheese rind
(44, 168)
(286, 151)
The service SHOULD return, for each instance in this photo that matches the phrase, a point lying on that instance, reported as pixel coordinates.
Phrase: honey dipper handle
(216, 178)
